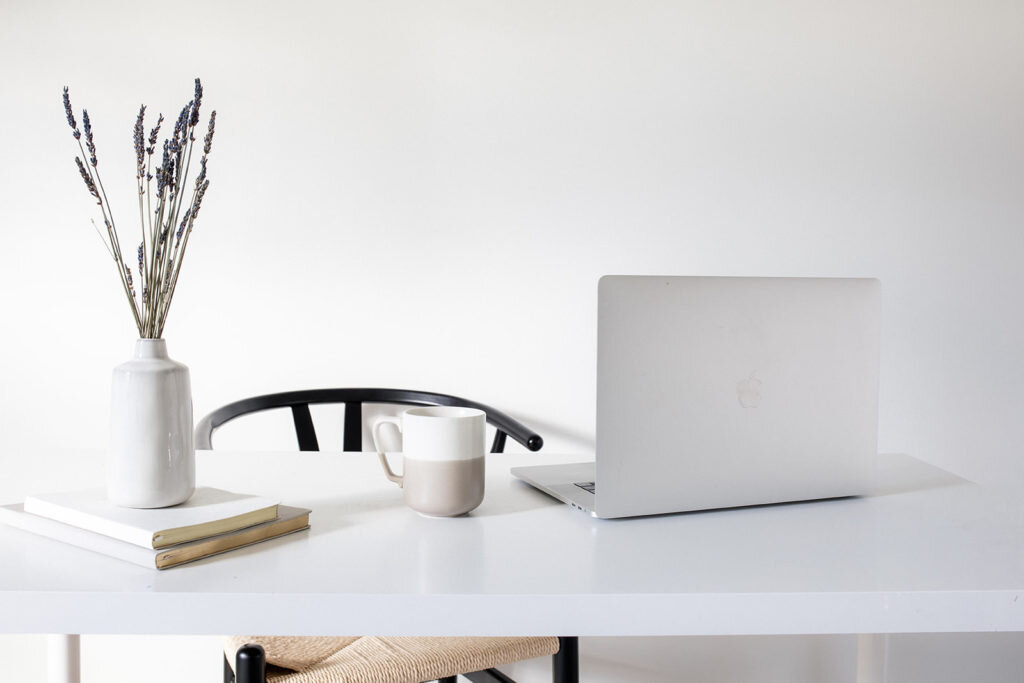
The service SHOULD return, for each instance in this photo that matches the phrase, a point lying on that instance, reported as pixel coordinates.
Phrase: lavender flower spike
(70, 114)
(208, 142)
(87, 127)
(140, 148)
(202, 172)
(164, 171)
(90, 184)
(198, 99)
(153, 135)
(184, 224)
(200, 193)
(178, 137)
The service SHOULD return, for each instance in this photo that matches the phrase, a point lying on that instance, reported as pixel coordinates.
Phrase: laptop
(720, 392)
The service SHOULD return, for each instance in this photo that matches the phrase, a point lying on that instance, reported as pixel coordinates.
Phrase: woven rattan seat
(386, 660)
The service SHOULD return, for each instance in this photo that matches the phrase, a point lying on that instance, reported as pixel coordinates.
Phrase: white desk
(929, 553)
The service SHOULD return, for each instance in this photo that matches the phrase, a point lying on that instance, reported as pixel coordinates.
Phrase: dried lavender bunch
(165, 227)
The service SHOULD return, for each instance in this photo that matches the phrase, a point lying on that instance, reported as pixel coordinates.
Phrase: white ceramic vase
(152, 459)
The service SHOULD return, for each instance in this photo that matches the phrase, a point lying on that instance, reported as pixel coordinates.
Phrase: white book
(208, 512)
(291, 519)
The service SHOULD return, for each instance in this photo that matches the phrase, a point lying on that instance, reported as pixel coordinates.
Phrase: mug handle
(397, 478)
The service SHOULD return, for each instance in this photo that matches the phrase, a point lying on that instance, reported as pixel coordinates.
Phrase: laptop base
(561, 482)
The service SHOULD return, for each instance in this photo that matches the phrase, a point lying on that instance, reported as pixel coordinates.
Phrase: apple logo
(748, 391)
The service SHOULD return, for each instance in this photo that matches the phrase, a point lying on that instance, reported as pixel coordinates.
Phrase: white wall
(424, 194)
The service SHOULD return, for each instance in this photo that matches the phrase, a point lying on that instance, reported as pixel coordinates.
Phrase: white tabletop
(928, 553)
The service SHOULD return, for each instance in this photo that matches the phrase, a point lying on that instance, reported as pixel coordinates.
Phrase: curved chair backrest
(299, 402)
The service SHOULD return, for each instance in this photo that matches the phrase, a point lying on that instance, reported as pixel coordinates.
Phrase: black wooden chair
(353, 400)
(251, 659)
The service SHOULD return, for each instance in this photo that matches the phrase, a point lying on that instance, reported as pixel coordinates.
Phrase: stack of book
(212, 521)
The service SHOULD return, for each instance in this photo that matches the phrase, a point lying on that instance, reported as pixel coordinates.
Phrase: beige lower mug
(443, 451)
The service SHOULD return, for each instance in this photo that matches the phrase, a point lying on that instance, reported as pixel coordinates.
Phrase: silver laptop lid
(718, 392)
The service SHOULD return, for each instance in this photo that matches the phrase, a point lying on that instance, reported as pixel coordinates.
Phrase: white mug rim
(445, 412)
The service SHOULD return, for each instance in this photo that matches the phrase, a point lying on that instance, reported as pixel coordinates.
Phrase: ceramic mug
(442, 458)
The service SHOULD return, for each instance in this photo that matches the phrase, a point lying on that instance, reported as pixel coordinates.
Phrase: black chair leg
(250, 664)
(565, 665)
(229, 673)
(447, 679)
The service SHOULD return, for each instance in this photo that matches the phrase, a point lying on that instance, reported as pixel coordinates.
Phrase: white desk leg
(872, 658)
(63, 659)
